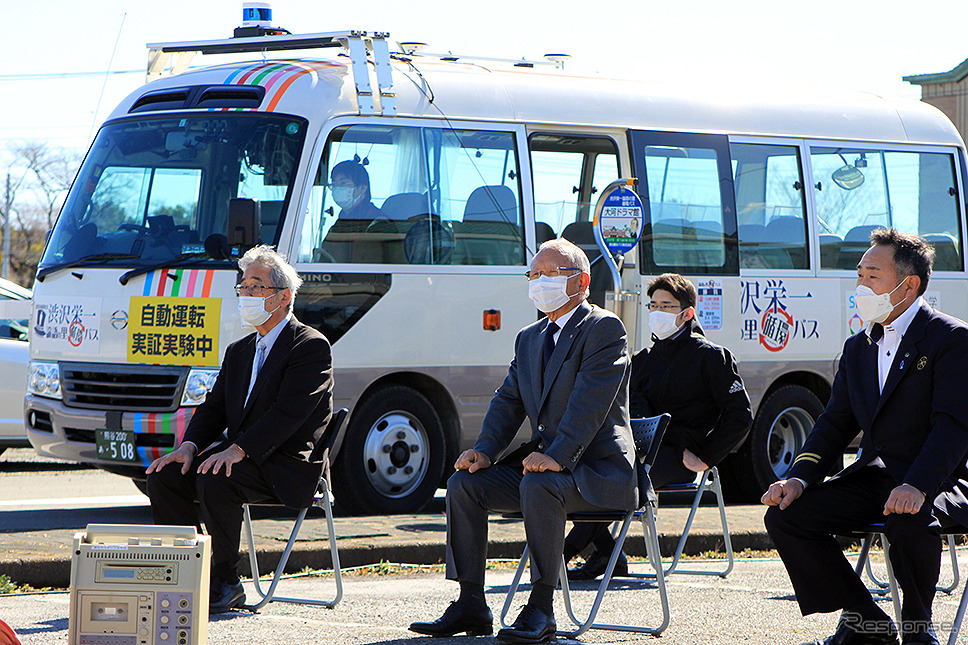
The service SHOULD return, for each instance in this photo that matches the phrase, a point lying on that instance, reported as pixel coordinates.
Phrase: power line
(60, 75)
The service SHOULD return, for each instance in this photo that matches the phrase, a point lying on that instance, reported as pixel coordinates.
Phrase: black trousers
(822, 577)
(220, 498)
(667, 469)
(543, 498)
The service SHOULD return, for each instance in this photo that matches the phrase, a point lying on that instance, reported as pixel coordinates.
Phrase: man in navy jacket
(902, 383)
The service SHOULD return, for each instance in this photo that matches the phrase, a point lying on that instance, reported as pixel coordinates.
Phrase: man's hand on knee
(183, 455)
(904, 499)
(472, 461)
(231, 455)
(538, 462)
(782, 493)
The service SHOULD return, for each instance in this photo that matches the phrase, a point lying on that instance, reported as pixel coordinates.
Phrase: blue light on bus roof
(256, 14)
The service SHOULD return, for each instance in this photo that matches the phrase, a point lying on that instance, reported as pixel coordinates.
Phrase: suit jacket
(577, 405)
(918, 425)
(287, 411)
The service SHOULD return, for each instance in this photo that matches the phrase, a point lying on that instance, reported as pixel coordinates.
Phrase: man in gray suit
(569, 377)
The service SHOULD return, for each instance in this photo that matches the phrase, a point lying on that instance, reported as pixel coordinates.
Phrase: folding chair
(322, 451)
(648, 434)
(709, 480)
(868, 535)
(882, 587)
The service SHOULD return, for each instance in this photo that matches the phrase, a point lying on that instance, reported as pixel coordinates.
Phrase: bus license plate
(115, 445)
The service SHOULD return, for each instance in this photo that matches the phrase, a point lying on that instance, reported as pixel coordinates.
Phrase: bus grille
(135, 388)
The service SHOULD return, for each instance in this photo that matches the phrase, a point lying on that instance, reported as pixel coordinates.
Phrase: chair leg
(269, 595)
(513, 587)
(652, 548)
(895, 593)
(959, 616)
(880, 588)
(583, 625)
(709, 481)
(955, 574)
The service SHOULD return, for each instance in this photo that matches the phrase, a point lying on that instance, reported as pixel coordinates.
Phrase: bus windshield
(152, 190)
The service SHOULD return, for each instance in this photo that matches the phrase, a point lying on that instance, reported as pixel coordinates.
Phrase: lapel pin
(922, 362)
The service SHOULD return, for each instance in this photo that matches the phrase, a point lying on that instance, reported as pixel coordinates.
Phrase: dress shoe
(919, 639)
(459, 617)
(595, 566)
(225, 596)
(847, 635)
(533, 625)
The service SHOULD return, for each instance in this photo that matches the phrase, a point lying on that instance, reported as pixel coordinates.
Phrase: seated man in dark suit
(273, 396)
(569, 377)
(901, 382)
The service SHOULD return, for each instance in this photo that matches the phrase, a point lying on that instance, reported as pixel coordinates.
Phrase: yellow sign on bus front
(173, 331)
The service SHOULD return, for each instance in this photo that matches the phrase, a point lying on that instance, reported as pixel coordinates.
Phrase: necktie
(260, 357)
(549, 344)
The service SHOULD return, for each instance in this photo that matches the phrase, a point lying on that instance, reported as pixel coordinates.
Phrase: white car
(15, 308)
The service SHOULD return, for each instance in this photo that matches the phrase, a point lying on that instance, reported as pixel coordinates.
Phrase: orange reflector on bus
(492, 320)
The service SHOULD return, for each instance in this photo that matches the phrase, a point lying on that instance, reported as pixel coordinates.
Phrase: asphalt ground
(754, 604)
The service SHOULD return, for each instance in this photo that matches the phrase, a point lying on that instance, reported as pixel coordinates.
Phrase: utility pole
(6, 231)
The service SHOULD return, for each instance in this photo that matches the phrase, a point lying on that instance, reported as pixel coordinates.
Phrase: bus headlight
(43, 379)
(197, 386)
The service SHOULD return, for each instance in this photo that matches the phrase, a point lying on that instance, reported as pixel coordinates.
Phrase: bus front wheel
(392, 456)
(782, 424)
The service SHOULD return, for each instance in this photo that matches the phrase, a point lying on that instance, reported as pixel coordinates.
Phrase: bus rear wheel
(392, 457)
(782, 424)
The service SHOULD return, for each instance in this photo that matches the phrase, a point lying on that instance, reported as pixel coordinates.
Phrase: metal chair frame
(321, 499)
(646, 514)
(708, 481)
(882, 588)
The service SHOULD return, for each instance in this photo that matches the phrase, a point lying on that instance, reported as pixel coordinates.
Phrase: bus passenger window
(860, 189)
(406, 195)
(770, 209)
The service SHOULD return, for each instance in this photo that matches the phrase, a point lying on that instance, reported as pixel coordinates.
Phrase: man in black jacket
(901, 382)
(695, 381)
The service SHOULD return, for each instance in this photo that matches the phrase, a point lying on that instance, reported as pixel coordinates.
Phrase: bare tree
(39, 177)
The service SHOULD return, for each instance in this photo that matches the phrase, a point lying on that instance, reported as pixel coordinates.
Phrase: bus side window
(770, 208)
(860, 189)
(406, 195)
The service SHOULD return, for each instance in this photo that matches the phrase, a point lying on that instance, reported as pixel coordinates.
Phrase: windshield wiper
(96, 257)
(133, 273)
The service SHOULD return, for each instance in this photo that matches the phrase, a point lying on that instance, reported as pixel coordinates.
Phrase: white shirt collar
(561, 322)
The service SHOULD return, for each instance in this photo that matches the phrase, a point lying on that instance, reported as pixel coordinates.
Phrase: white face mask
(343, 196)
(252, 310)
(874, 307)
(663, 324)
(549, 294)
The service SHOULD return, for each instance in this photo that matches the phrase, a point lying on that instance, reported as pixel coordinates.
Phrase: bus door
(686, 187)
(567, 171)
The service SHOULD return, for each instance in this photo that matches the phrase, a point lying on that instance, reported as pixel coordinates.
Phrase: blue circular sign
(620, 217)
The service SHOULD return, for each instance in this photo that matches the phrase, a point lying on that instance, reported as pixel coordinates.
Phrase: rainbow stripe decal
(277, 77)
(187, 283)
(160, 423)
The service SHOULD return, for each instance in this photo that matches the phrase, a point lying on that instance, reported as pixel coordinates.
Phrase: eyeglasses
(661, 306)
(254, 289)
(550, 273)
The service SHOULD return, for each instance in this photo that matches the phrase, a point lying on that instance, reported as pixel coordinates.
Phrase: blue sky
(55, 52)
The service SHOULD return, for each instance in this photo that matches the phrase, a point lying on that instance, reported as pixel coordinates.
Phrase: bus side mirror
(245, 218)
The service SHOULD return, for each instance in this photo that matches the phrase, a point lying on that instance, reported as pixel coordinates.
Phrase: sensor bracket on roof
(355, 42)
